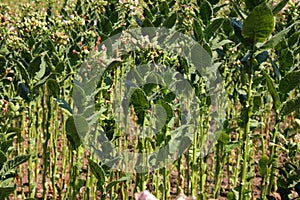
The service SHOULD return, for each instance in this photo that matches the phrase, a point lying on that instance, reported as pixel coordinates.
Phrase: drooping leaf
(276, 39)
(53, 87)
(114, 183)
(258, 26)
(76, 126)
(262, 57)
(276, 69)
(224, 138)
(205, 11)
(140, 104)
(106, 25)
(23, 71)
(170, 21)
(290, 106)
(37, 67)
(213, 27)
(197, 29)
(138, 21)
(24, 91)
(148, 14)
(272, 90)
(278, 7)
(289, 82)
(64, 106)
(98, 171)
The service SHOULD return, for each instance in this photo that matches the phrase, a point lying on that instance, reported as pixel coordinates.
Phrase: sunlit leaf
(258, 26)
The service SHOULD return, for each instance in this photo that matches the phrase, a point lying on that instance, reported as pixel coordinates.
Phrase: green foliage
(258, 26)
(9, 165)
(256, 54)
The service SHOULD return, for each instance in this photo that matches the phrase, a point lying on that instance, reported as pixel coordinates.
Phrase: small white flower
(103, 47)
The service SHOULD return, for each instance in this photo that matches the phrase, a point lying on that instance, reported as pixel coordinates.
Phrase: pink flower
(145, 195)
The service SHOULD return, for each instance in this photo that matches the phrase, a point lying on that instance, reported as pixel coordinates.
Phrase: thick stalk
(246, 135)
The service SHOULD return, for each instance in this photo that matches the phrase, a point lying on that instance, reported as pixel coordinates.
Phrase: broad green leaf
(148, 14)
(272, 90)
(64, 106)
(107, 27)
(168, 109)
(158, 20)
(263, 165)
(114, 17)
(140, 104)
(271, 43)
(278, 7)
(170, 21)
(164, 8)
(23, 71)
(53, 87)
(37, 67)
(290, 106)
(76, 126)
(79, 98)
(251, 4)
(147, 23)
(258, 25)
(205, 11)
(97, 171)
(213, 27)
(289, 82)
(197, 29)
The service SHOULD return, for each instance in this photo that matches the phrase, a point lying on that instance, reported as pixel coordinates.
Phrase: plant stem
(246, 135)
